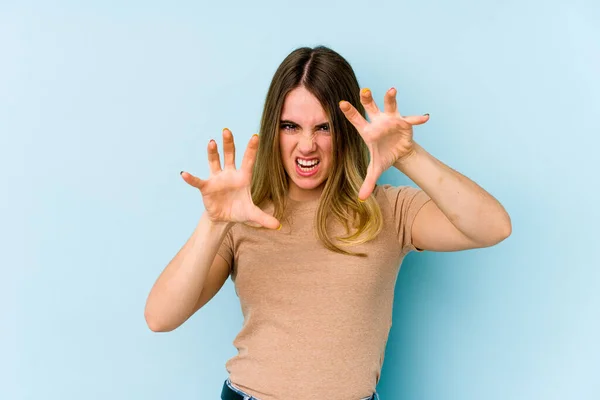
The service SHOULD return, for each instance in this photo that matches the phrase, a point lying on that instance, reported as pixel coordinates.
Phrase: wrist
(215, 224)
(411, 157)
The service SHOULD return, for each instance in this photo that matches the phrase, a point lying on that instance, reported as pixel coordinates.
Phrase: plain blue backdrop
(102, 104)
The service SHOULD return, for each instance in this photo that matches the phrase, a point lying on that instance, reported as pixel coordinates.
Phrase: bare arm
(176, 293)
(461, 216)
(196, 273)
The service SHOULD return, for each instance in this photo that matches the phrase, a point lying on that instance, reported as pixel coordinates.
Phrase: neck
(298, 194)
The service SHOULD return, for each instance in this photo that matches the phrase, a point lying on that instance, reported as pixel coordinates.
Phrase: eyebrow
(287, 121)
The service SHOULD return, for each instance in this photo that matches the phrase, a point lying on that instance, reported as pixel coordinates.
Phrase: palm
(388, 135)
(227, 196)
(388, 138)
(227, 193)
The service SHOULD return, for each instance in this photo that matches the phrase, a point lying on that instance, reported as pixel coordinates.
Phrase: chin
(309, 185)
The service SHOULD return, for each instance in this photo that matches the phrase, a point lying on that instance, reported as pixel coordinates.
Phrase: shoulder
(400, 197)
(389, 193)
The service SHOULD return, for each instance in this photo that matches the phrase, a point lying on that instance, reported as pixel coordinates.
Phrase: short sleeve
(226, 249)
(405, 202)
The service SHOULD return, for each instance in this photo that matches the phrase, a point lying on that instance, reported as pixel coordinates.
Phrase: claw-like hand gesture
(389, 135)
(226, 194)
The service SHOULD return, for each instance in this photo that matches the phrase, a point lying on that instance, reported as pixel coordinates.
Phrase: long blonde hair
(330, 78)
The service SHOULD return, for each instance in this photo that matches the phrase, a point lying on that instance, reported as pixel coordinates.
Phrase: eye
(325, 128)
(288, 127)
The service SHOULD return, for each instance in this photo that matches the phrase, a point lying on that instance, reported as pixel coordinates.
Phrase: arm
(461, 215)
(185, 284)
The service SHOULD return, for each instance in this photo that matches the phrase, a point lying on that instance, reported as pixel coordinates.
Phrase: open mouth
(307, 165)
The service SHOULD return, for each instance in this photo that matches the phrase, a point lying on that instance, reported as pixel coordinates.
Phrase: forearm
(471, 209)
(176, 291)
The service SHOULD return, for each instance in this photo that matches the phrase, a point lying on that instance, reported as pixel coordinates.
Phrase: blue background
(102, 104)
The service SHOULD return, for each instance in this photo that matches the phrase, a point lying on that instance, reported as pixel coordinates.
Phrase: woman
(313, 245)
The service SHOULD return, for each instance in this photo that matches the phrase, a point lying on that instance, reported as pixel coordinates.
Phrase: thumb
(368, 186)
(262, 218)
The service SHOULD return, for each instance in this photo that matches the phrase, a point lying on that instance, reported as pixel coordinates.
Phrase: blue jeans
(246, 396)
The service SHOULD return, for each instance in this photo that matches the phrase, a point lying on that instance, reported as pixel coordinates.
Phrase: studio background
(102, 104)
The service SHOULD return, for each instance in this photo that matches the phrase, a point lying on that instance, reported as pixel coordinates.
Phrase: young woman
(312, 243)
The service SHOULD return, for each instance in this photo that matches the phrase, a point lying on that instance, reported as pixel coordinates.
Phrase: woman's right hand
(226, 193)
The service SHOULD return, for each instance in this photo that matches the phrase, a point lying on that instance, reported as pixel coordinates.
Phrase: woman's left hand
(388, 135)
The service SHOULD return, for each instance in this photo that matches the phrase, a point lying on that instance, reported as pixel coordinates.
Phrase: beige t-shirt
(316, 322)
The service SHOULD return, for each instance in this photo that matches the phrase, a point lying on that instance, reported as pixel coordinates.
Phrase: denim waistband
(228, 388)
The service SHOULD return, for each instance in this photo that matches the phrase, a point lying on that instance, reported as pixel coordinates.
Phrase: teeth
(307, 169)
(305, 163)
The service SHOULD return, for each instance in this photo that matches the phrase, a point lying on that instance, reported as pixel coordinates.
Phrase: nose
(306, 143)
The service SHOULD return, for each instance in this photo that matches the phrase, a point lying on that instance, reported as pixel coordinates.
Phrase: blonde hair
(330, 78)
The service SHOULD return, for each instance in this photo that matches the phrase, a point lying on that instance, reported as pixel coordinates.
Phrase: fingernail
(256, 134)
(426, 114)
(366, 91)
(279, 227)
(181, 173)
(225, 129)
(361, 201)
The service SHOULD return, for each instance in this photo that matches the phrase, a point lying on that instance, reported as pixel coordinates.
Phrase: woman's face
(305, 144)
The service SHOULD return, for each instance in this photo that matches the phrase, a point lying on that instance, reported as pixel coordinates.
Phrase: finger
(214, 160)
(353, 115)
(250, 154)
(264, 219)
(228, 149)
(389, 101)
(192, 180)
(366, 98)
(417, 119)
(369, 184)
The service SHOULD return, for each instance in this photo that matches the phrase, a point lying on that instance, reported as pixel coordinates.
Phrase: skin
(461, 215)
(304, 133)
